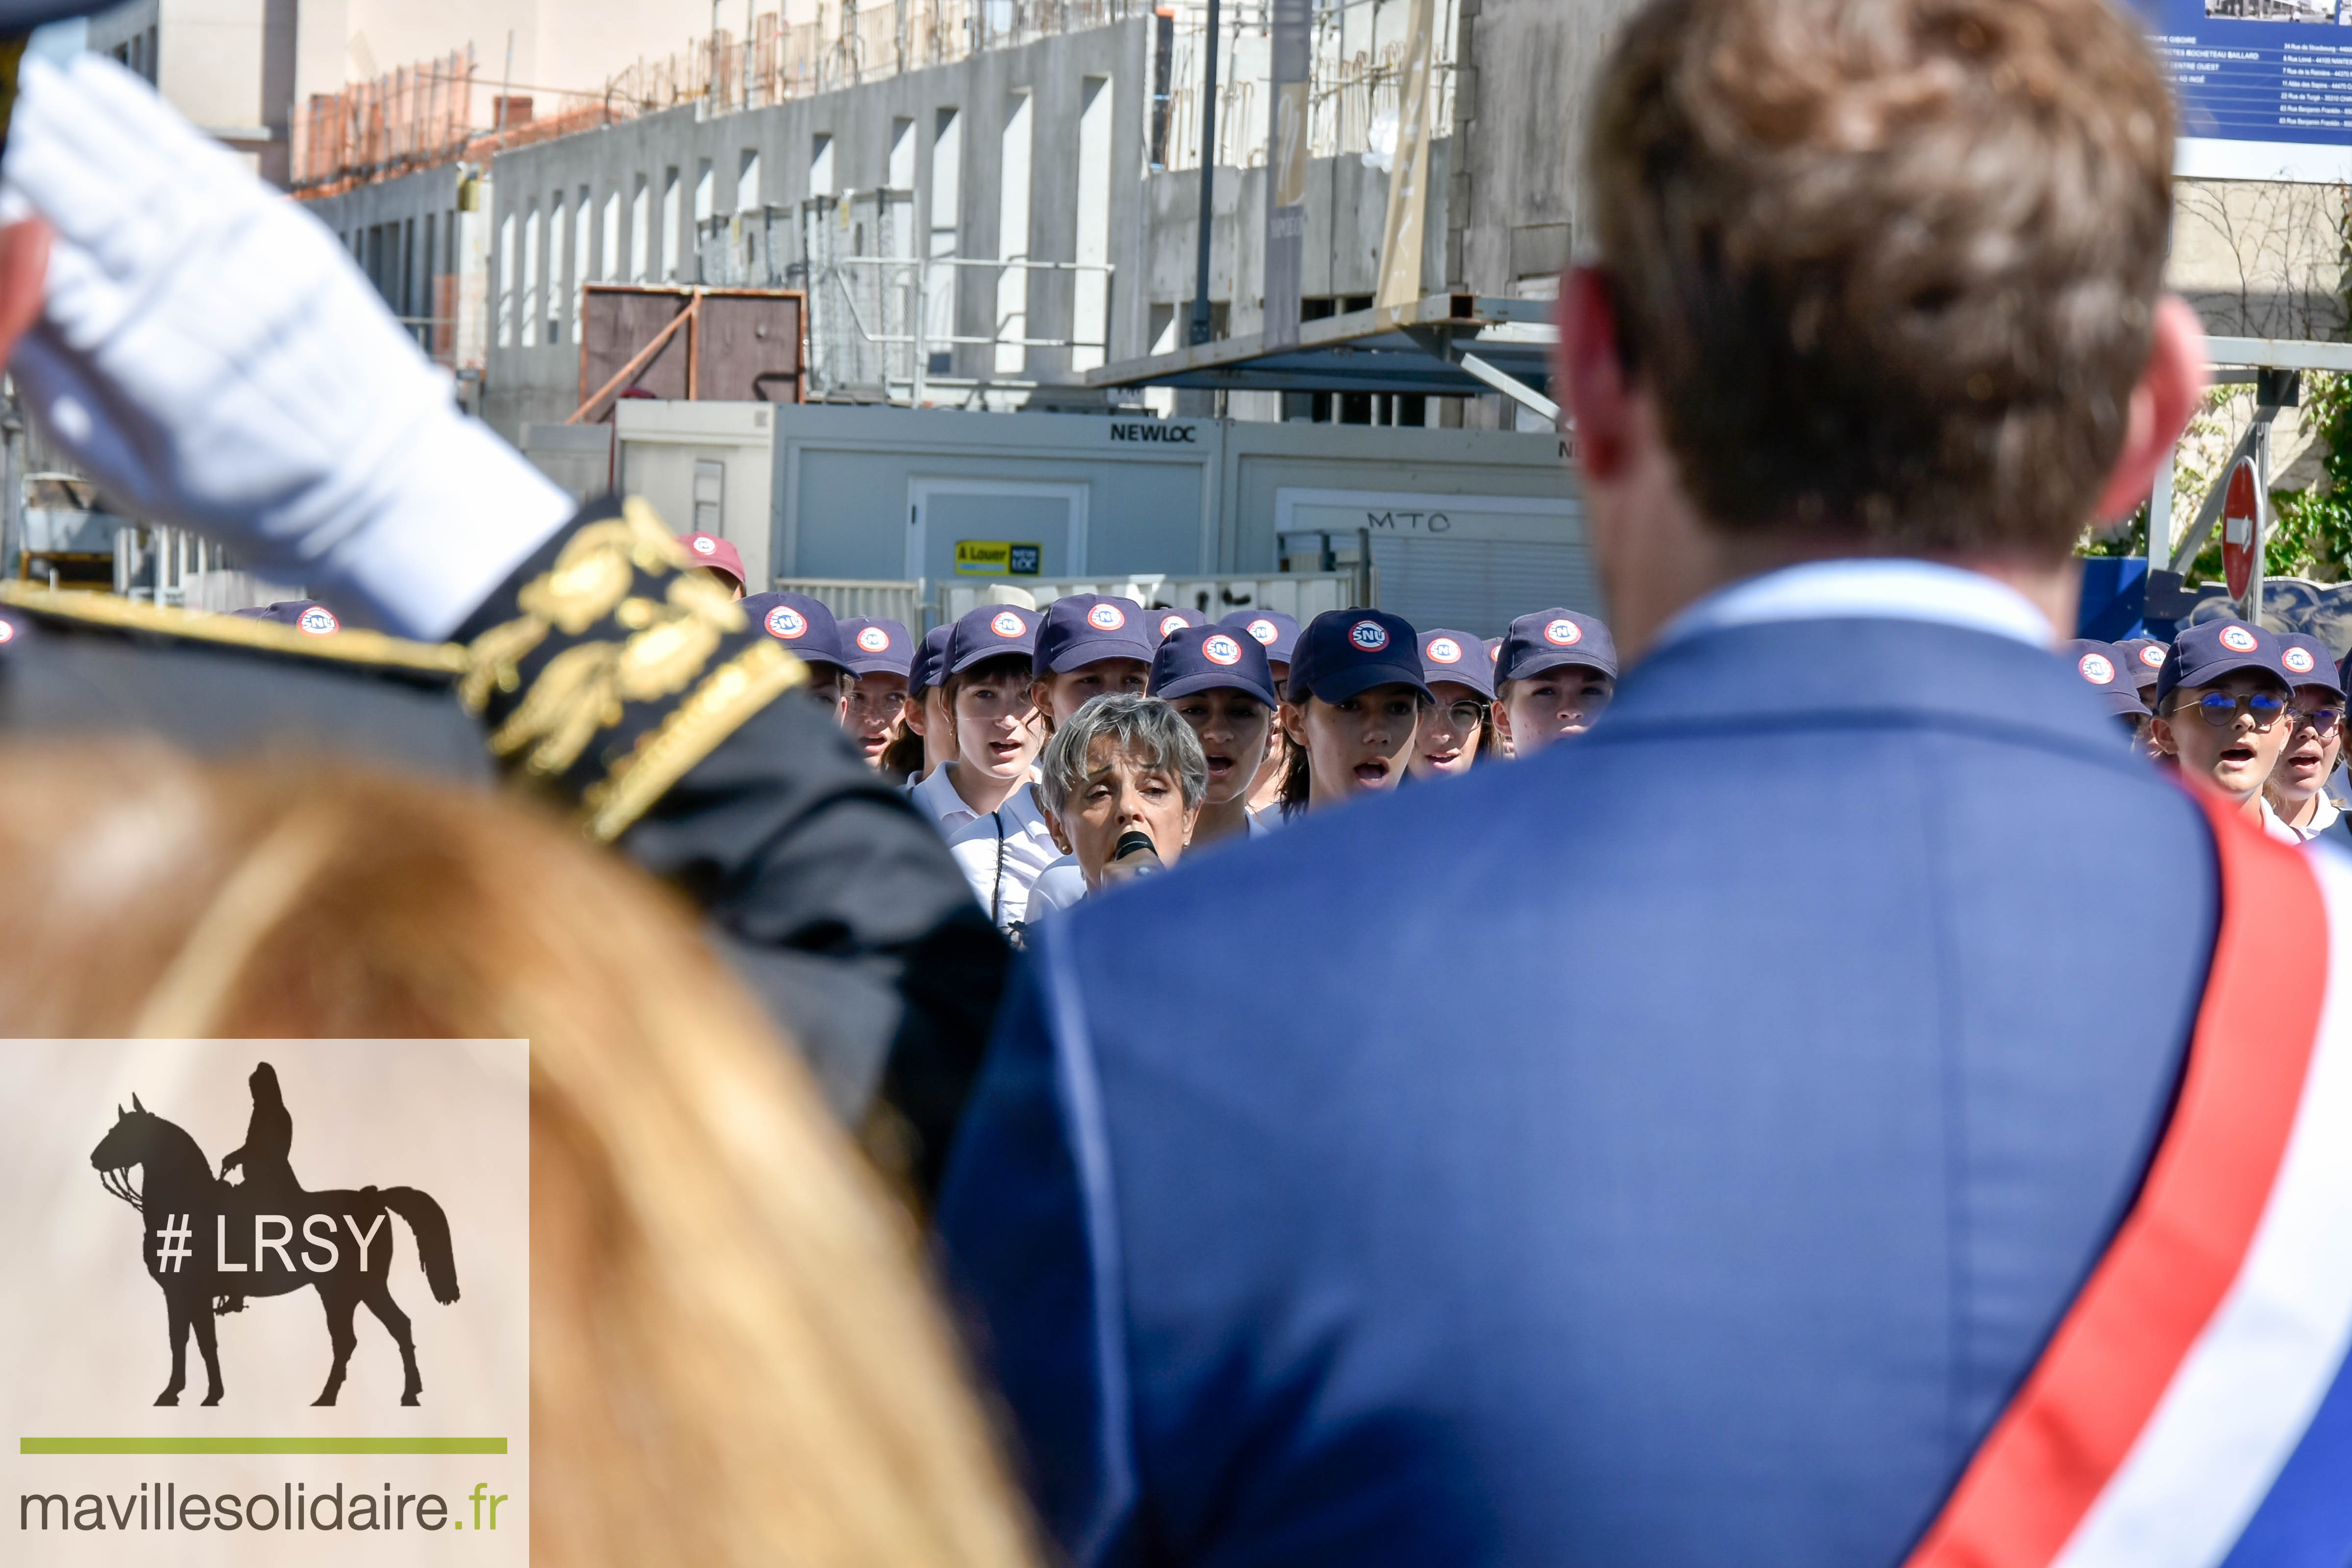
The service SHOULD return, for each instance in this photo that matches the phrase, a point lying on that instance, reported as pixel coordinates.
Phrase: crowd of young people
(1059, 750)
(2254, 714)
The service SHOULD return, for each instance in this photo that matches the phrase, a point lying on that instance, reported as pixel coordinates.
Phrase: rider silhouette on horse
(268, 1141)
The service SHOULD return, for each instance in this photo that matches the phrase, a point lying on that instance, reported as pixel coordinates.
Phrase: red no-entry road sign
(2239, 516)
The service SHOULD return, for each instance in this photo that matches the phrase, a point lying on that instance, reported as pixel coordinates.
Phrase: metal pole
(2159, 528)
(499, 123)
(2261, 519)
(1208, 182)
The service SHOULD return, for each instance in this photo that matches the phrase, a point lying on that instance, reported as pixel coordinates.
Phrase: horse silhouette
(337, 1241)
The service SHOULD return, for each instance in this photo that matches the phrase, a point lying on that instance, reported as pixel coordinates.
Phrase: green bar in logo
(261, 1444)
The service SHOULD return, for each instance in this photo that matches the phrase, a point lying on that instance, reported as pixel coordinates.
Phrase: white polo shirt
(2323, 817)
(1002, 852)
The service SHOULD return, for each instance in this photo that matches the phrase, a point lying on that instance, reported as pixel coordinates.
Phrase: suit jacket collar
(1851, 669)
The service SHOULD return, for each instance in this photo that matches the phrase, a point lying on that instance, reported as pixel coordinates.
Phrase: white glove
(212, 357)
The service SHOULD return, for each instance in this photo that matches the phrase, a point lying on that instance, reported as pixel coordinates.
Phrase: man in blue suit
(1679, 1147)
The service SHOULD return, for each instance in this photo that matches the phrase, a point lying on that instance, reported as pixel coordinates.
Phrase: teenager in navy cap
(1459, 730)
(1166, 619)
(2144, 657)
(1217, 679)
(1278, 634)
(2105, 670)
(2220, 709)
(878, 654)
(927, 718)
(981, 797)
(1798, 1200)
(1354, 699)
(2297, 803)
(1554, 673)
(1090, 647)
(806, 627)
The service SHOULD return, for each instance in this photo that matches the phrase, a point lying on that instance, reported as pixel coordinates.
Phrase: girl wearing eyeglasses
(2296, 806)
(2220, 709)
(1460, 729)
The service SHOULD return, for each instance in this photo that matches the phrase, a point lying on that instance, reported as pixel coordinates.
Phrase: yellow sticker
(997, 558)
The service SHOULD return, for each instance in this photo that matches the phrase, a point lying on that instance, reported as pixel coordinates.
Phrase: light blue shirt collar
(1874, 588)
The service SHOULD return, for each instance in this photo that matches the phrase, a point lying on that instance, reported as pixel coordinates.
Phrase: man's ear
(2159, 730)
(24, 269)
(2162, 403)
(1588, 375)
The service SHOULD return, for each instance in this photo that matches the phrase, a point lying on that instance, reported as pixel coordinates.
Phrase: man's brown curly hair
(1888, 266)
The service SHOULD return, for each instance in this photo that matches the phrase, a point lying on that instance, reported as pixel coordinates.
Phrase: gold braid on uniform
(617, 666)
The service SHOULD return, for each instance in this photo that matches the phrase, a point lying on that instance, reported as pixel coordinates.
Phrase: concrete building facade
(984, 149)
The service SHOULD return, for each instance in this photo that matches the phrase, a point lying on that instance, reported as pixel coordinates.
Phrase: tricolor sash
(2193, 1409)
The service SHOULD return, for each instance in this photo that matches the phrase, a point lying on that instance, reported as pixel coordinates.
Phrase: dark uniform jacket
(608, 676)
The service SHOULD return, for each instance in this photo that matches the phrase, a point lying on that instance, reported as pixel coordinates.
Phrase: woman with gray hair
(1122, 780)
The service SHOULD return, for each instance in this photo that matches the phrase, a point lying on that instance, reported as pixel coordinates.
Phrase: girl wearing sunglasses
(2297, 804)
(2222, 708)
(1460, 729)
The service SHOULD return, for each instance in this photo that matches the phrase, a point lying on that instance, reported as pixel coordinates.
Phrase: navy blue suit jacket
(1671, 1149)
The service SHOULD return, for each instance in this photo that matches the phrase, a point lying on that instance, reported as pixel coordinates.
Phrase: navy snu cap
(1086, 628)
(2204, 653)
(1207, 658)
(302, 614)
(802, 624)
(2307, 662)
(1459, 657)
(2144, 657)
(1550, 639)
(930, 664)
(1272, 631)
(877, 648)
(992, 631)
(2106, 669)
(1345, 653)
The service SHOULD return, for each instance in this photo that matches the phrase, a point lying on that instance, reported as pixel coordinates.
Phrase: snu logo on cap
(873, 639)
(2096, 668)
(1445, 650)
(8, 632)
(2238, 639)
(2297, 659)
(705, 545)
(1563, 633)
(1220, 650)
(1106, 617)
(1370, 635)
(787, 622)
(1007, 625)
(1263, 630)
(319, 620)
(2152, 656)
(1171, 624)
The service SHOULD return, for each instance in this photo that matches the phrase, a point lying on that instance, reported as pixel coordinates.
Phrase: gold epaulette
(352, 646)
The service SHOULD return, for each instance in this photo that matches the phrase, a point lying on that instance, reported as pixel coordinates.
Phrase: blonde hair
(734, 1360)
